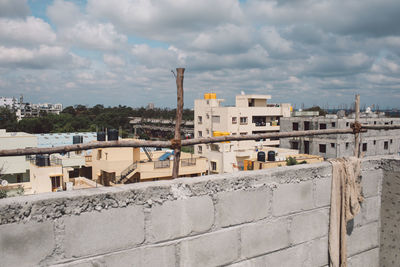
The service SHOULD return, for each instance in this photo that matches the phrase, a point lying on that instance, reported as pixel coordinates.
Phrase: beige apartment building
(252, 114)
(128, 165)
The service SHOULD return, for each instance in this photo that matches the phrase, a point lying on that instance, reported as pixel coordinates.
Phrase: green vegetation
(322, 112)
(82, 119)
(292, 161)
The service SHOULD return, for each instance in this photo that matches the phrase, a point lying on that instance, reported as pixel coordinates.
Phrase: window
(295, 145)
(386, 145)
(98, 154)
(207, 116)
(391, 122)
(200, 133)
(208, 132)
(215, 119)
(55, 182)
(391, 141)
(322, 148)
(306, 125)
(234, 120)
(243, 120)
(322, 126)
(347, 124)
(364, 147)
(213, 166)
(295, 126)
(214, 147)
(332, 145)
(200, 149)
(333, 124)
(374, 122)
(347, 145)
(199, 119)
(374, 142)
(244, 133)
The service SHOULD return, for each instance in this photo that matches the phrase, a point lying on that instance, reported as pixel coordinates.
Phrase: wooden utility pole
(356, 127)
(176, 142)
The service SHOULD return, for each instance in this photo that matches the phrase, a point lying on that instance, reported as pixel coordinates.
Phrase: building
(127, 165)
(15, 169)
(252, 114)
(8, 102)
(373, 142)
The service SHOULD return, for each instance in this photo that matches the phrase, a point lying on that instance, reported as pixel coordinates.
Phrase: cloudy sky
(122, 52)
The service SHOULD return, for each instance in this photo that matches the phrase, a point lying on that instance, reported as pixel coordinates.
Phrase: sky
(311, 52)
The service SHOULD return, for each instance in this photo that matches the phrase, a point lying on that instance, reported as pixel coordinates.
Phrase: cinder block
(174, 219)
(26, 244)
(370, 182)
(214, 249)
(323, 192)
(242, 206)
(106, 231)
(143, 257)
(363, 238)
(264, 237)
(308, 226)
(371, 209)
(289, 198)
(298, 256)
(319, 252)
(369, 258)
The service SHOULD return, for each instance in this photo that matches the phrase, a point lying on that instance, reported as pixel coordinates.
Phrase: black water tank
(112, 135)
(271, 155)
(42, 160)
(77, 139)
(261, 156)
(101, 136)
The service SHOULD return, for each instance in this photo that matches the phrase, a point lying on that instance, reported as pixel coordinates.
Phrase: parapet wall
(274, 217)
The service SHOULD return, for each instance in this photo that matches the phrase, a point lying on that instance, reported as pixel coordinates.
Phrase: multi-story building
(373, 142)
(8, 102)
(252, 114)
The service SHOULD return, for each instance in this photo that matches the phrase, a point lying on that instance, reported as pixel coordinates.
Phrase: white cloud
(113, 60)
(93, 36)
(26, 31)
(13, 8)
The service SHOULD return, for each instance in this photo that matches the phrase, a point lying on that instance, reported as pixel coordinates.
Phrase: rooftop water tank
(101, 136)
(271, 155)
(261, 156)
(112, 135)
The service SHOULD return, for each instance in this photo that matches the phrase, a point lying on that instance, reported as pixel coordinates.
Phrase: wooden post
(356, 122)
(178, 121)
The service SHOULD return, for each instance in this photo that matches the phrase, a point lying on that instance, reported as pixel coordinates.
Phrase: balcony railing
(161, 164)
(188, 162)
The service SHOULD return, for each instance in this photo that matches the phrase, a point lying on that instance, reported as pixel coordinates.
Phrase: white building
(252, 114)
(15, 169)
(8, 102)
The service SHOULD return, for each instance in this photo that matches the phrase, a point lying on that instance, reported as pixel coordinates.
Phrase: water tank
(261, 156)
(77, 139)
(112, 135)
(101, 136)
(271, 155)
(42, 160)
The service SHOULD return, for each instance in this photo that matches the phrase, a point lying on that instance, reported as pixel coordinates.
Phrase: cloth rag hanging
(345, 204)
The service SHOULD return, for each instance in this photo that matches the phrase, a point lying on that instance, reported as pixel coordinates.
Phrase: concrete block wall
(274, 217)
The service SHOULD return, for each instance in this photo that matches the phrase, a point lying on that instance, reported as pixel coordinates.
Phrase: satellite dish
(4, 182)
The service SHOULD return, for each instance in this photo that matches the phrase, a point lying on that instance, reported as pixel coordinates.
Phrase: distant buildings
(373, 142)
(252, 114)
(23, 110)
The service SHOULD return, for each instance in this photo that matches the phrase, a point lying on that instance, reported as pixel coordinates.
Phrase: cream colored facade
(252, 114)
(15, 169)
(115, 162)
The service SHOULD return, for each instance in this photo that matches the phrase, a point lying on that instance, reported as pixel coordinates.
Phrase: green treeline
(83, 119)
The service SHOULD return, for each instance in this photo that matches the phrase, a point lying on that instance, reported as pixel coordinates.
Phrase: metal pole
(356, 123)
